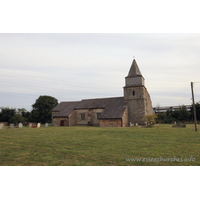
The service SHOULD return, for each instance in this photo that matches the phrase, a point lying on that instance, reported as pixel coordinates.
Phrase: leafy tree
(25, 114)
(169, 118)
(42, 109)
(10, 115)
(179, 115)
(6, 114)
(182, 114)
(197, 106)
(17, 118)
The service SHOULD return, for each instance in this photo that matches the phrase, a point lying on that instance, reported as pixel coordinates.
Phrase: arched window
(133, 93)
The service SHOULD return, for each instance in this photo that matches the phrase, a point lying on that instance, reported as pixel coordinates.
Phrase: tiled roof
(113, 107)
(64, 109)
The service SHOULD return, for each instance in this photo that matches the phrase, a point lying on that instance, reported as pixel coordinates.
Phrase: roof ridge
(103, 98)
(70, 101)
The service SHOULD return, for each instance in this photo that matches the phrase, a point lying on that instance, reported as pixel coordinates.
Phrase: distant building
(164, 109)
(108, 112)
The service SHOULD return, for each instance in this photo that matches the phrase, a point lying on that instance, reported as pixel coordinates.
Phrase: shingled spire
(134, 70)
(134, 77)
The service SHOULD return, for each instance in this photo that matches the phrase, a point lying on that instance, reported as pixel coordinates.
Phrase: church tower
(136, 96)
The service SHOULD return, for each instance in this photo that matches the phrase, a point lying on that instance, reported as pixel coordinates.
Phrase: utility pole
(194, 108)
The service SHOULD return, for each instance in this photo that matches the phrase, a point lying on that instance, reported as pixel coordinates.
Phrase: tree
(42, 109)
(179, 115)
(24, 113)
(6, 114)
(10, 115)
(150, 119)
(197, 105)
(17, 118)
(184, 114)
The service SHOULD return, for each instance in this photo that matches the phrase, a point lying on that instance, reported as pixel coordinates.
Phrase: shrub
(149, 119)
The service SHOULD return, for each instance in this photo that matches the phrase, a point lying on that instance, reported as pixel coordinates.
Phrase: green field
(94, 146)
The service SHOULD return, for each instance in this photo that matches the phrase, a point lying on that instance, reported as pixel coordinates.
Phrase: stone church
(108, 112)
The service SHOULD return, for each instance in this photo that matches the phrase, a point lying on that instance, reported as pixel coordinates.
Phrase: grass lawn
(94, 146)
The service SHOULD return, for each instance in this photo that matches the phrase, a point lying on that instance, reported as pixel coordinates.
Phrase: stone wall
(136, 111)
(90, 116)
(56, 121)
(52, 117)
(139, 93)
(138, 102)
(135, 103)
(148, 107)
(125, 118)
(72, 118)
(75, 118)
(110, 123)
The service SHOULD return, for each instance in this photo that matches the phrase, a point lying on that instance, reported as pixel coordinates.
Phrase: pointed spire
(134, 77)
(134, 70)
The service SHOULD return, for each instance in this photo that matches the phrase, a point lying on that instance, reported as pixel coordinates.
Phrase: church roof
(113, 107)
(134, 70)
(64, 109)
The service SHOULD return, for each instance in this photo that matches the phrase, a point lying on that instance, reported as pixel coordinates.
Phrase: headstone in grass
(20, 125)
(38, 125)
(46, 125)
(34, 125)
(179, 125)
(30, 125)
(1, 126)
(11, 125)
(136, 124)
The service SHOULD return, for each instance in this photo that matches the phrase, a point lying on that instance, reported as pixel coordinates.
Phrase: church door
(62, 122)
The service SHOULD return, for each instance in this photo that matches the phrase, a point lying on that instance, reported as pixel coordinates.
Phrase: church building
(108, 112)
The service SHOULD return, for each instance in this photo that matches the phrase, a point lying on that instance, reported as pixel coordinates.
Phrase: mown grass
(94, 146)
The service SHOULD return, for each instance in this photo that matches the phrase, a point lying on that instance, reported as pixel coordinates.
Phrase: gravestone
(11, 125)
(38, 125)
(136, 124)
(30, 125)
(20, 125)
(46, 125)
(1, 126)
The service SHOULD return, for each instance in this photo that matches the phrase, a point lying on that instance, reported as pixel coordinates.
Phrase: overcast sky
(71, 67)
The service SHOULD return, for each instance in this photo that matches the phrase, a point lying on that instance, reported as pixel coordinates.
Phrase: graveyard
(46, 145)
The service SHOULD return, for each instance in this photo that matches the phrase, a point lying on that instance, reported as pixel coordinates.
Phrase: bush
(149, 119)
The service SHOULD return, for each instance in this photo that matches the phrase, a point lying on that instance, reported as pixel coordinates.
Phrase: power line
(18, 94)
(56, 90)
(44, 79)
